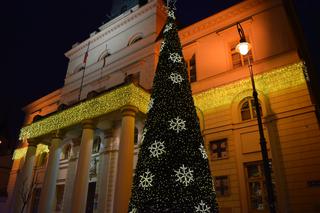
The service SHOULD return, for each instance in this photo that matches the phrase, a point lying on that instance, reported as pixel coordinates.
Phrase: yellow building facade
(79, 144)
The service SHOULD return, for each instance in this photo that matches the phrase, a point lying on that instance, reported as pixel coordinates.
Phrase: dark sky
(36, 34)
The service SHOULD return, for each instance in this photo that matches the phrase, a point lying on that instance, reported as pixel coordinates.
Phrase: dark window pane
(253, 171)
(218, 149)
(222, 185)
(256, 195)
(136, 134)
(245, 115)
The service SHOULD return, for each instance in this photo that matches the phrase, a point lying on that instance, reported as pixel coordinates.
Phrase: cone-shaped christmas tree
(172, 173)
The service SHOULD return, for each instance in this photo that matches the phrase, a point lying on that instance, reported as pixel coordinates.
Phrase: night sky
(36, 34)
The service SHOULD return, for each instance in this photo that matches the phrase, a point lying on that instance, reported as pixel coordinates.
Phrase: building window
(221, 184)
(59, 197)
(66, 152)
(218, 149)
(239, 60)
(257, 194)
(136, 135)
(104, 55)
(192, 69)
(248, 109)
(79, 68)
(135, 40)
(137, 37)
(96, 145)
(35, 199)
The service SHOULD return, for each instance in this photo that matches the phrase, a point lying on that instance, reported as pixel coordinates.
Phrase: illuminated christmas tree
(172, 173)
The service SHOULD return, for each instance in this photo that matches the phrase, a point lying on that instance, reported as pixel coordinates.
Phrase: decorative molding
(121, 22)
(212, 23)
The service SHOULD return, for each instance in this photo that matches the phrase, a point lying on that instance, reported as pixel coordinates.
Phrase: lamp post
(243, 48)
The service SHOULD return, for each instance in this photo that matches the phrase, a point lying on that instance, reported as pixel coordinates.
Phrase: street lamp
(243, 48)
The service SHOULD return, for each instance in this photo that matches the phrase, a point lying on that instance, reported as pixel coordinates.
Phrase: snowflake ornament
(184, 175)
(202, 207)
(134, 210)
(144, 132)
(171, 14)
(162, 45)
(146, 180)
(150, 104)
(177, 124)
(157, 149)
(167, 28)
(203, 152)
(175, 57)
(176, 78)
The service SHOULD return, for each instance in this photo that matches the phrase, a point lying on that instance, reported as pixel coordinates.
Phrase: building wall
(125, 58)
(43, 106)
(290, 125)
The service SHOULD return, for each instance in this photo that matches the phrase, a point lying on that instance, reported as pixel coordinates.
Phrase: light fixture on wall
(243, 48)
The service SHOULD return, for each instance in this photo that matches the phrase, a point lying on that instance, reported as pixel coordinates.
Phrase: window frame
(250, 101)
(192, 68)
(220, 177)
(258, 179)
(243, 61)
(226, 149)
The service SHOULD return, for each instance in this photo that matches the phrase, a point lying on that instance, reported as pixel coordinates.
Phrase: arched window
(79, 68)
(248, 110)
(104, 55)
(135, 38)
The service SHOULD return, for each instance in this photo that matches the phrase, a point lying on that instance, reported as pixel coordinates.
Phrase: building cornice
(228, 16)
(90, 109)
(114, 26)
(34, 105)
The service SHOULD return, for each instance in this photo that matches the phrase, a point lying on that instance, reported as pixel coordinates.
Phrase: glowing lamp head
(243, 48)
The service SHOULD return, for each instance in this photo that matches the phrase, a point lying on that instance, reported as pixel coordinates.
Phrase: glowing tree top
(172, 173)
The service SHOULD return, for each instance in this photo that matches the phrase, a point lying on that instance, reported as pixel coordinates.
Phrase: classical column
(125, 160)
(102, 182)
(48, 190)
(23, 185)
(80, 189)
